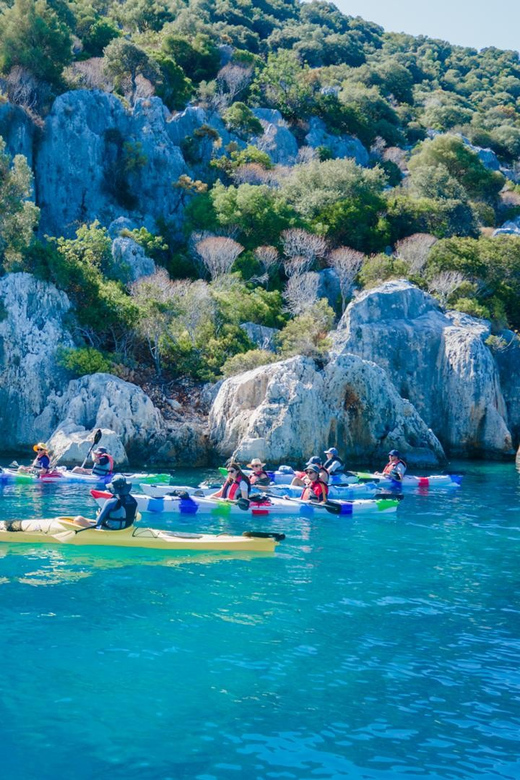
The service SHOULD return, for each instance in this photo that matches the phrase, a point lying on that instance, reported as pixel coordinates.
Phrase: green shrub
(241, 120)
(84, 360)
(246, 361)
(307, 334)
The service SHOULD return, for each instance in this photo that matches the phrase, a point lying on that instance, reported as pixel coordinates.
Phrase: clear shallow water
(379, 649)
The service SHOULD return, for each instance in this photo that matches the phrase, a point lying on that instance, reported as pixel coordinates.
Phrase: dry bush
(233, 79)
(89, 74)
(445, 284)
(251, 173)
(297, 242)
(268, 256)
(301, 292)
(218, 254)
(415, 250)
(346, 262)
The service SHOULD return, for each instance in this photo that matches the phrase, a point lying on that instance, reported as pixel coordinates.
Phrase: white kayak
(63, 476)
(345, 492)
(411, 481)
(284, 475)
(190, 505)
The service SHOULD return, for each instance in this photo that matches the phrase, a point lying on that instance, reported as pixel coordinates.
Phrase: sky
(475, 23)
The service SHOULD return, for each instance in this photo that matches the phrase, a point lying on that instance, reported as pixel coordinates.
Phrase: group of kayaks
(352, 495)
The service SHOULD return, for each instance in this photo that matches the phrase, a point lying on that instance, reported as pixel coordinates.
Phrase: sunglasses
(311, 471)
(231, 471)
(40, 449)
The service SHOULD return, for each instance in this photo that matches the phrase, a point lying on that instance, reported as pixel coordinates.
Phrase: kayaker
(103, 464)
(236, 486)
(396, 467)
(334, 465)
(42, 461)
(118, 512)
(303, 481)
(317, 489)
(259, 477)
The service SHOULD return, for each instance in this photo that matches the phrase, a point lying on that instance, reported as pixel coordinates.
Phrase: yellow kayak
(63, 530)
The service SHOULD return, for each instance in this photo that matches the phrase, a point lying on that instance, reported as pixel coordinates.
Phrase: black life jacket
(129, 504)
(328, 463)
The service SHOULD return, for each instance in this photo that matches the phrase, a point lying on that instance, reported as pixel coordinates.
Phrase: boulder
(130, 261)
(438, 360)
(82, 171)
(340, 145)
(32, 329)
(261, 336)
(288, 410)
(70, 444)
(107, 402)
(277, 141)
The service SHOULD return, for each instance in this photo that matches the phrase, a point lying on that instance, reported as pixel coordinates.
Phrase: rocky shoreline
(401, 373)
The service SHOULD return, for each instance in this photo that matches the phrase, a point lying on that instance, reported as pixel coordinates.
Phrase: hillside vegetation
(434, 137)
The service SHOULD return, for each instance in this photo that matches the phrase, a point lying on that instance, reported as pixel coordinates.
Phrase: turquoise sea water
(381, 648)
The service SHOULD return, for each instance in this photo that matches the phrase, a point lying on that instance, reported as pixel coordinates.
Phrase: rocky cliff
(438, 360)
(39, 401)
(289, 410)
(402, 373)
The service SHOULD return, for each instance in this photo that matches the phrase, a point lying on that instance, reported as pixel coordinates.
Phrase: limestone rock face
(133, 428)
(262, 336)
(71, 443)
(107, 402)
(17, 130)
(277, 141)
(81, 170)
(340, 145)
(288, 410)
(437, 360)
(130, 261)
(32, 329)
(507, 359)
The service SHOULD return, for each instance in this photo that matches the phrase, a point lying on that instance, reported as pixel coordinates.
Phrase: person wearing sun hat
(119, 511)
(396, 467)
(103, 464)
(259, 477)
(316, 489)
(42, 461)
(301, 479)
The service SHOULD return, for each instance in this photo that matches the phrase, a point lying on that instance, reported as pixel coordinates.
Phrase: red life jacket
(261, 475)
(318, 489)
(231, 489)
(391, 466)
(105, 469)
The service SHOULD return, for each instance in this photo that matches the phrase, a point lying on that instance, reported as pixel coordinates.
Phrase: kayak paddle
(97, 439)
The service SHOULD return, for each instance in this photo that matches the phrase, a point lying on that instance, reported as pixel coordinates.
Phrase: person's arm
(110, 504)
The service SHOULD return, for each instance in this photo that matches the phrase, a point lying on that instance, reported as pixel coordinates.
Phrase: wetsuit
(118, 513)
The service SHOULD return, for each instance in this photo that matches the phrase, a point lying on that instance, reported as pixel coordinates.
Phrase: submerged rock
(438, 360)
(288, 410)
